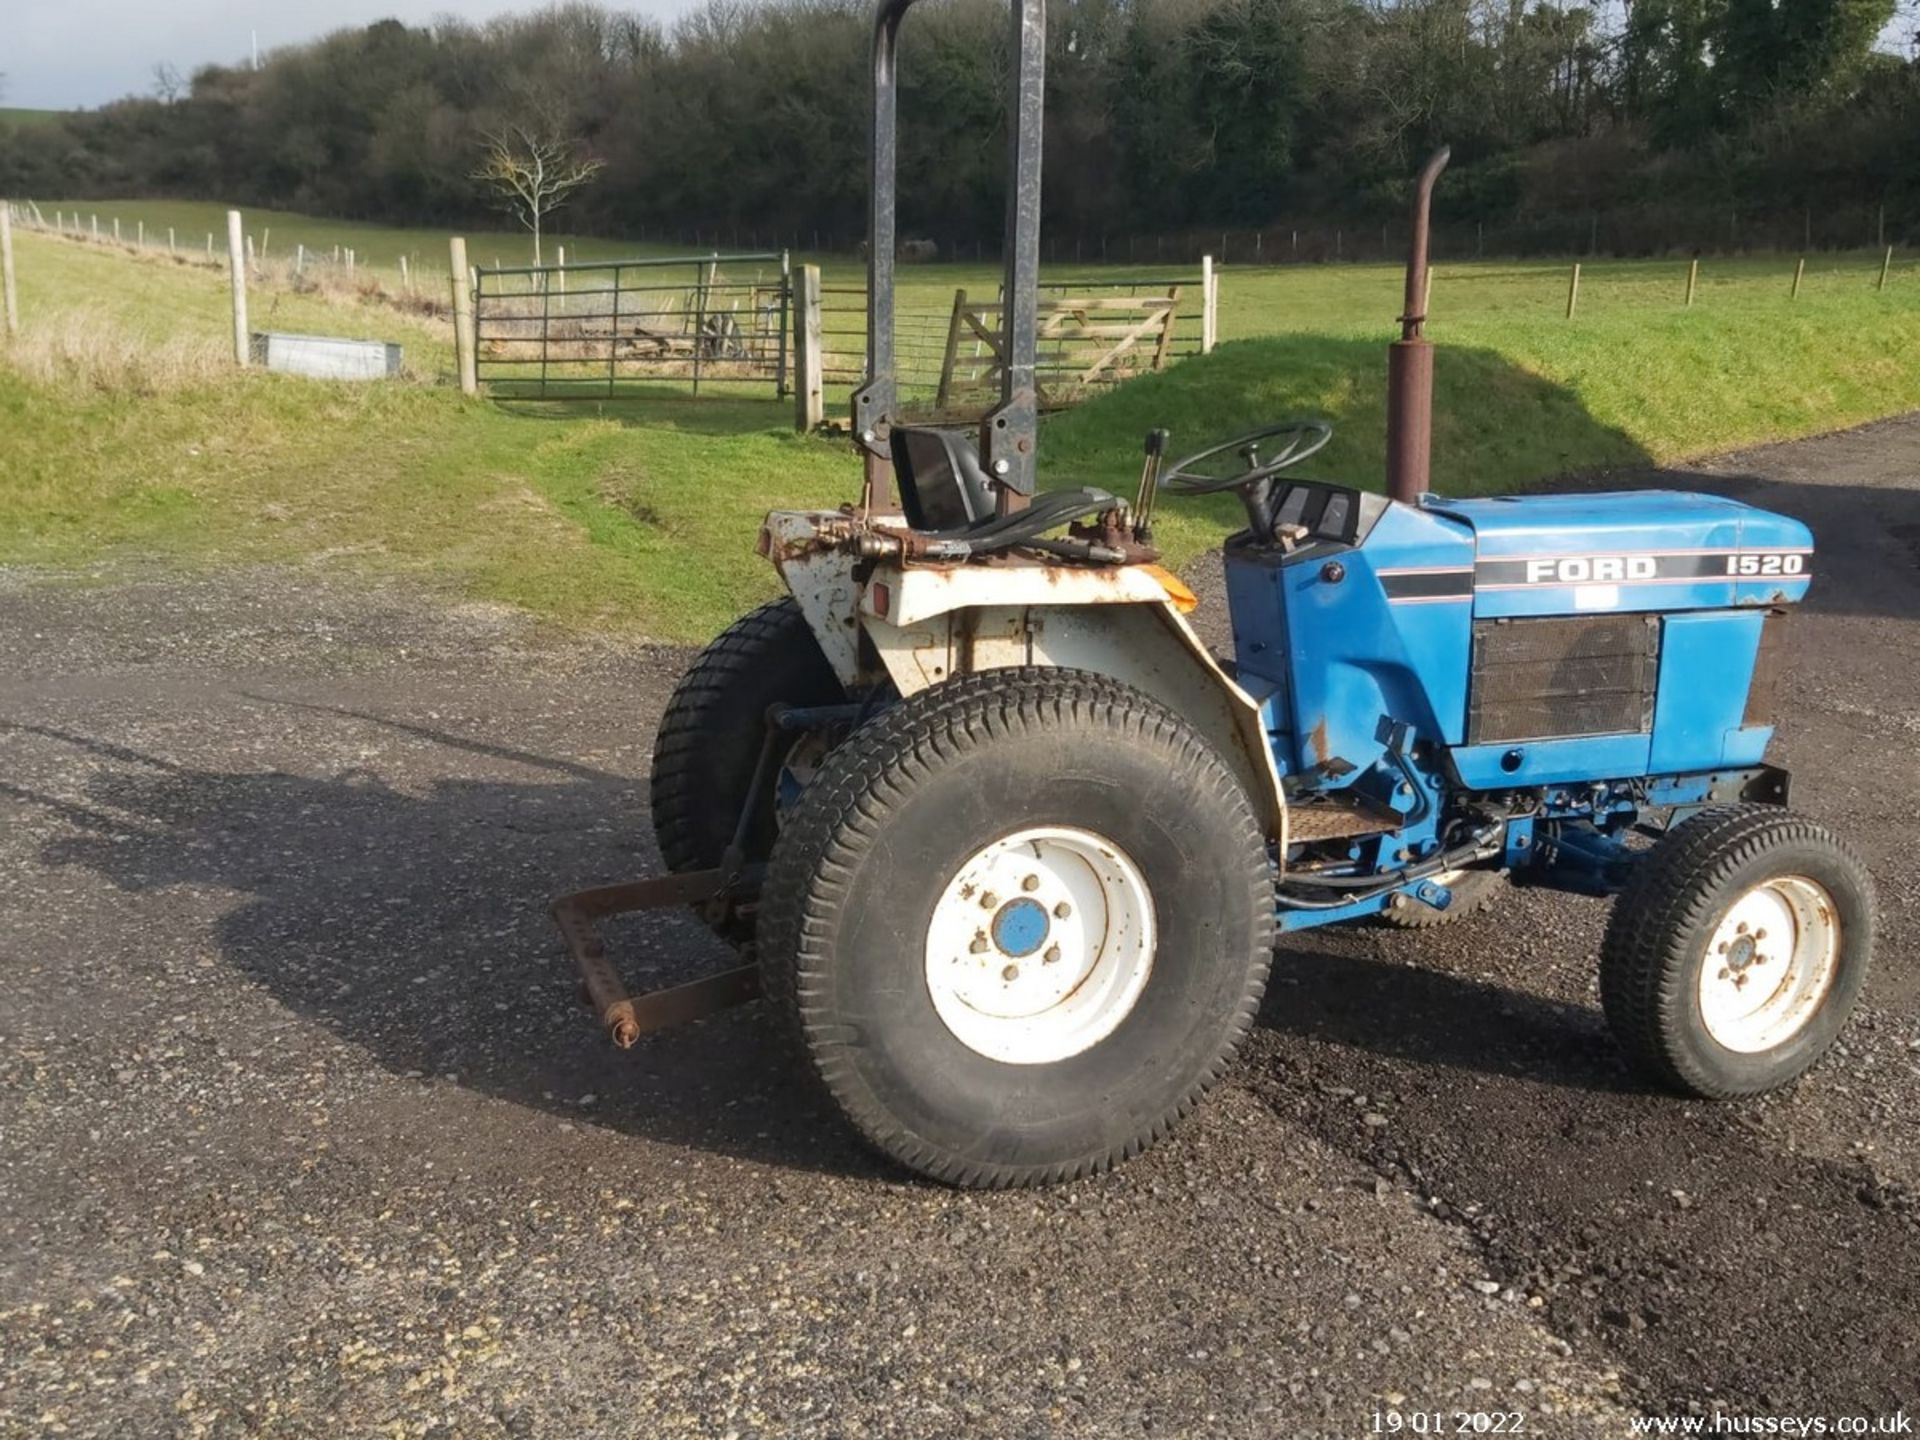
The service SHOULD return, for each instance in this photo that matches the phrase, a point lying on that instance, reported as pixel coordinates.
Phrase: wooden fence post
(141, 234)
(560, 263)
(1573, 290)
(463, 337)
(809, 410)
(116, 229)
(6, 269)
(171, 248)
(1209, 294)
(1886, 263)
(406, 280)
(1799, 273)
(1693, 279)
(237, 268)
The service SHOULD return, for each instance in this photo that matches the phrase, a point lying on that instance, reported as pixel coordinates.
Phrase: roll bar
(1009, 433)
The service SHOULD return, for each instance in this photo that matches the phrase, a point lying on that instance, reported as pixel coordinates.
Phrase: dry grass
(92, 349)
(328, 281)
(319, 276)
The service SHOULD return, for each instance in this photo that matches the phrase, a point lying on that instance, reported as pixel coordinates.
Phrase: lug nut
(989, 901)
(1062, 910)
(979, 945)
(1032, 882)
(1053, 954)
(1011, 973)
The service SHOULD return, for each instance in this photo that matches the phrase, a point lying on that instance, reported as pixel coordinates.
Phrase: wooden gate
(1086, 342)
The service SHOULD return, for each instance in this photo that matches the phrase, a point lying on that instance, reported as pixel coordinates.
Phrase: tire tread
(1645, 964)
(847, 807)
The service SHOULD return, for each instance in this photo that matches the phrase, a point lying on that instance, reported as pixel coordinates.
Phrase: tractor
(1007, 850)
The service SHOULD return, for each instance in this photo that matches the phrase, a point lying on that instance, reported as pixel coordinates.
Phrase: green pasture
(640, 515)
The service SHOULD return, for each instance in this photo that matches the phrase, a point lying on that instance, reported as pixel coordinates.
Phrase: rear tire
(1018, 805)
(1737, 950)
(709, 739)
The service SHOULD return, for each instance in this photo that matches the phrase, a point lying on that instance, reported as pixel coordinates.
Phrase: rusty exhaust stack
(1410, 359)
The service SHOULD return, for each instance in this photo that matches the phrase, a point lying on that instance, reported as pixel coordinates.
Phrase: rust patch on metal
(1317, 739)
(965, 633)
(628, 1017)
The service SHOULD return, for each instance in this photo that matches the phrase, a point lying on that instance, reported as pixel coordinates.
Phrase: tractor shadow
(1412, 1013)
(409, 921)
(406, 917)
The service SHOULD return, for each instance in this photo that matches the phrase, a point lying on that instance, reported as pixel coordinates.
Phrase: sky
(63, 54)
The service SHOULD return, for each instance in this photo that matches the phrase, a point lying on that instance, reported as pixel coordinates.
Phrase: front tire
(1737, 951)
(1019, 925)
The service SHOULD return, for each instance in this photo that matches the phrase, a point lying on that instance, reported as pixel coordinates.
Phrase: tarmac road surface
(302, 1131)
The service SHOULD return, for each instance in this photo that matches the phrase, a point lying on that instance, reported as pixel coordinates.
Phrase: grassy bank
(128, 432)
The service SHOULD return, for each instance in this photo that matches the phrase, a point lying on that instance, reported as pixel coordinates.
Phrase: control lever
(1156, 448)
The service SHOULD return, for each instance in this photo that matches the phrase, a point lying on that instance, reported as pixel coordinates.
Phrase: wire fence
(407, 280)
(731, 321)
(1659, 228)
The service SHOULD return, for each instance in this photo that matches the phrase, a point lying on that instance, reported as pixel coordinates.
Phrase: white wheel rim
(1040, 945)
(1770, 964)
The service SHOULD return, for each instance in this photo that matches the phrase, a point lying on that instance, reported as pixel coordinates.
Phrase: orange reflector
(882, 599)
(1184, 600)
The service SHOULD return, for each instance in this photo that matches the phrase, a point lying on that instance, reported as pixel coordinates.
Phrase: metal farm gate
(556, 332)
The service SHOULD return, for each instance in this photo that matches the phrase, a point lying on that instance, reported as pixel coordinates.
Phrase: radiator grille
(1542, 679)
(1767, 666)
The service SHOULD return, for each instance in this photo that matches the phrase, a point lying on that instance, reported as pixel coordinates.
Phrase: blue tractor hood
(1632, 550)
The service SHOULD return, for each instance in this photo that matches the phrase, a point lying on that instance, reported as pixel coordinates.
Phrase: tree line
(1162, 115)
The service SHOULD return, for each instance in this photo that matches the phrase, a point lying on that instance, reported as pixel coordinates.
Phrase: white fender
(929, 623)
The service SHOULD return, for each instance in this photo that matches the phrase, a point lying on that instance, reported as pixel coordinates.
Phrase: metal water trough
(324, 357)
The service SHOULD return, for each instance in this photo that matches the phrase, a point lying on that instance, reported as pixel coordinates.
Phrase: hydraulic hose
(1022, 526)
(1380, 883)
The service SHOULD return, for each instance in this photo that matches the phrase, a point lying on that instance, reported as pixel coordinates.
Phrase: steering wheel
(1205, 474)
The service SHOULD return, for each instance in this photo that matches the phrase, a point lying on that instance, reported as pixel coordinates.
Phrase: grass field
(14, 115)
(129, 435)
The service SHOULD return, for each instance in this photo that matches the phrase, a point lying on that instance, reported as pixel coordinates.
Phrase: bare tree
(168, 85)
(532, 173)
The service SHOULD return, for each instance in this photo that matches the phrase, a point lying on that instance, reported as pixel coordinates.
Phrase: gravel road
(302, 1131)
